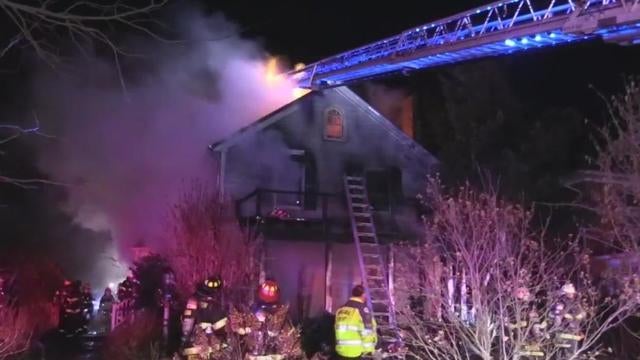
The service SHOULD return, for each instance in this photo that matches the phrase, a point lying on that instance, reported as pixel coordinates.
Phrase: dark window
(334, 125)
(293, 181)
(384, 187)
(378, 186)
(310, 183)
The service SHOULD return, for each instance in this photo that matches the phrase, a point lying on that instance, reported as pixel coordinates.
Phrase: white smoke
(127, 156)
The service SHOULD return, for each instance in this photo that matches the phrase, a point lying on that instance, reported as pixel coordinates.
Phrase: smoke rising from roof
(128, 155)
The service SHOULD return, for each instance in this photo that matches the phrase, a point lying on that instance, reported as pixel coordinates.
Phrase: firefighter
(272, 317)
(87, 301)
(72, 320)
(106, 306)
(126, 289)
(527, 328)
(568, 316)
(204, 321)
(355, 327)
(107, 299)
(59, 298)
(268, 300)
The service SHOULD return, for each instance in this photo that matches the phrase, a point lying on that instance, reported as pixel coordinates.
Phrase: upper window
(378, 186)
(384, 187)
(334, 125)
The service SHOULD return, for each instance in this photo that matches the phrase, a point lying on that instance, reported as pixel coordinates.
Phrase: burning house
(295, 175)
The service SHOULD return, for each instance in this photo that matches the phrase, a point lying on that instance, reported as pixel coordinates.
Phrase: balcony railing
(327, 209)
(282, 204)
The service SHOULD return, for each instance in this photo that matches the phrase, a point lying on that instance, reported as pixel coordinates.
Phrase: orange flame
(271, 72)
(275, 78)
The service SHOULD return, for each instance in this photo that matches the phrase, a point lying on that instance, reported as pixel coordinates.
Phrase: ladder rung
(354, 178)
(370, 246)
(370, 255)
(364, 224)
(362, 214)
(357, 196)
(356, 187)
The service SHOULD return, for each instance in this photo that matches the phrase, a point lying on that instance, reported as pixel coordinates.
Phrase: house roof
(414, 150)
(258, 125)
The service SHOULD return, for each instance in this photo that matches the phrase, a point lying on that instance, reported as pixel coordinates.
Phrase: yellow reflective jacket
(355, 329)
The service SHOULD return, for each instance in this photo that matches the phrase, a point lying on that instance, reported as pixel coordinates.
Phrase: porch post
(328, 300)
(222, 168)
(391, 273)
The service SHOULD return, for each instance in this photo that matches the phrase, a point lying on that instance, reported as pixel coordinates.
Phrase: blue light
(552, 35)
(510, 42)
(524, 41)
(538, 38)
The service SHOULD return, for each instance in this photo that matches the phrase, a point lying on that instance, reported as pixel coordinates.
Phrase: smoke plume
(127, 155)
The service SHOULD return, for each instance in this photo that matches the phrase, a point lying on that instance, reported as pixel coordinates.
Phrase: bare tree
(485, 285)
(9, 133)
(36, 22)
(45, 25)
(209, 241)
(15, 332)
(615, 183)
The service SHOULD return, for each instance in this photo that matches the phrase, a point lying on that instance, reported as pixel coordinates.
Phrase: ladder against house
(370, 258)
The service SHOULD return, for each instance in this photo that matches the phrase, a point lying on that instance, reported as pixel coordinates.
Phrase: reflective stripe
(366, 332)
(349, 342)
(347, 328)
(570, 336)
(220, 324)
(542, 325)
(531, 353)
(194, 350)
(518, 325)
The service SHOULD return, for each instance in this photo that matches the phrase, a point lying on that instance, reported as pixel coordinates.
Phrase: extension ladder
(370, 259)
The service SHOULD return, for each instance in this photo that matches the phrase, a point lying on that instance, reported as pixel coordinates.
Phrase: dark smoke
(388, 101)
(127, 155)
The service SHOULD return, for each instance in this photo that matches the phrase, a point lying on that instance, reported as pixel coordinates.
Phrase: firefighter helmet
(210, 286)
(269, 292)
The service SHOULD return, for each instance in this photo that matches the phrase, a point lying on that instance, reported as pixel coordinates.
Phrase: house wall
(262, 159)
(301, 269)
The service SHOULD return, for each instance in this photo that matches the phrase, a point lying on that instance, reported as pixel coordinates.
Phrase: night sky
(307, 33)
(313, 30)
